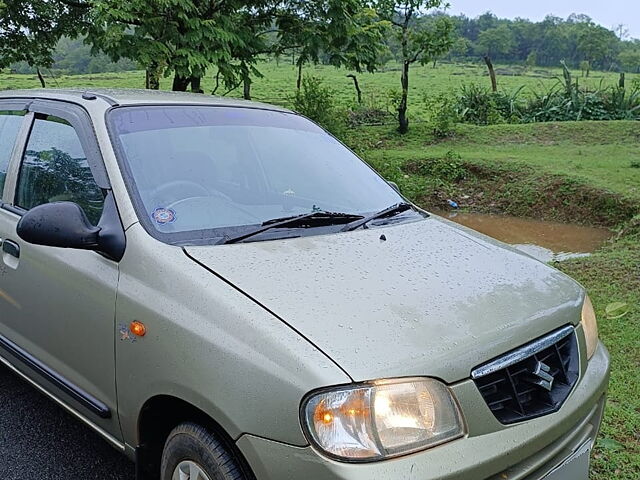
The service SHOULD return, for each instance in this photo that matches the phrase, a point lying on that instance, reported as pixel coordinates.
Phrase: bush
(565, 101)
(371, 112)
(479, 106)
(443, 114)
(316, 101)
(447, 169)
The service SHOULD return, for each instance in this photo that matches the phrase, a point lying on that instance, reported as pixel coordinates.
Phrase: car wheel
(191, 452)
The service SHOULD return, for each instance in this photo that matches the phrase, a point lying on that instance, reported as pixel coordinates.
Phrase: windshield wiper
(306, 220)
(387, 212)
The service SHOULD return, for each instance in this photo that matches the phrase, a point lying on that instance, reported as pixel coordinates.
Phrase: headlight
(382, 419)
(590, 327)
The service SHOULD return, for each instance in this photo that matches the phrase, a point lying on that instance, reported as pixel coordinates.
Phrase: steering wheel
(188, 186)
(187, 199)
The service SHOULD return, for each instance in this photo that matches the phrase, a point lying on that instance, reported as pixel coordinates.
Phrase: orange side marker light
(138, 328)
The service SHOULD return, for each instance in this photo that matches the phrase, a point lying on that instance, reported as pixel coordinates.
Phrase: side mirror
(61, 224)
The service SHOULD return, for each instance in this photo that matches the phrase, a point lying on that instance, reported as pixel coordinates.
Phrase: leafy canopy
(29, 31)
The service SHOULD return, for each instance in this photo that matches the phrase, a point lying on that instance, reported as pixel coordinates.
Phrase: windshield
(198, 174)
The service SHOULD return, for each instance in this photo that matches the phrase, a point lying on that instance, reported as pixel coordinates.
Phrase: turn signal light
(138, 329)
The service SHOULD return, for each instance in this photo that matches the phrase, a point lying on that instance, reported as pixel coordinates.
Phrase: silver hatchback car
(223, 291)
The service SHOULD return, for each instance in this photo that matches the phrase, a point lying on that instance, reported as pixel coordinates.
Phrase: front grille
(531, 381)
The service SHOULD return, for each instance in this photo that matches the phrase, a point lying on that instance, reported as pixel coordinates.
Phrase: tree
(596, 45)
(29, 31)
(420, 42)
(630, 59)
(495, 41)
(461, 47)
(173, 37)
(622, 31)
(343, 33)
(184, 38)
(532, 59)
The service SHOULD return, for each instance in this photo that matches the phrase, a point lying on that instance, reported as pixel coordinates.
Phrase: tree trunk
(357, 85)
(196, 84)
(41, 78)
(246, 81)
(402, 108)
(492, 73)
(180, 83)
(152, 81)
(299, 82)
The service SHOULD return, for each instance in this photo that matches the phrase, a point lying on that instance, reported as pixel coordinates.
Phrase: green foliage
(338, 32)
(532, 59)
(29, 31)
(629, 59)
(498, 41)
(53, 175)
(447, 169)
(373, 111)
(316, 101)
(479, 105)
(564, 101)
(443, 114)
(420, 41)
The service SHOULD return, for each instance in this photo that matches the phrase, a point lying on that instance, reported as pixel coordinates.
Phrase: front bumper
(492, 451)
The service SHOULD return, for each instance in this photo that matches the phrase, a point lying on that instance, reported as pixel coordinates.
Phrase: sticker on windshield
(163, 216)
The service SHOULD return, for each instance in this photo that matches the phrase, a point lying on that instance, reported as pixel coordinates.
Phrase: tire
(190, 444)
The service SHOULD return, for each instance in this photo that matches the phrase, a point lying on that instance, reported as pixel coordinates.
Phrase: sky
(609, 13)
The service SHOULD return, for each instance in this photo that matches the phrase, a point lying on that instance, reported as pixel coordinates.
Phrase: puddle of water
(546, 241)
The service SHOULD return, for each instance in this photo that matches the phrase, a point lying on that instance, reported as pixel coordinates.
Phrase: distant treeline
(576, 40)
(73, 56)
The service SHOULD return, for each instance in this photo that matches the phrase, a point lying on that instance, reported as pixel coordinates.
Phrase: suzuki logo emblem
(544, 378)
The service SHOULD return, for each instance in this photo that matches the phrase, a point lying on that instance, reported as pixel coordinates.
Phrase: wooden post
(357, 85)
(492, 73)
(41, 78)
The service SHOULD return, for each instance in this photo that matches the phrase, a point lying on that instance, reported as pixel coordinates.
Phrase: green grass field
(605, 154)
(278, 84)
(585, 172)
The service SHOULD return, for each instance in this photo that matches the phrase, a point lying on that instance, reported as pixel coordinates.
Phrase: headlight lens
(382, 419)
(590, 327)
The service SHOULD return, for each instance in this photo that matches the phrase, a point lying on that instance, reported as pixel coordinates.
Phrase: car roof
(122, 97)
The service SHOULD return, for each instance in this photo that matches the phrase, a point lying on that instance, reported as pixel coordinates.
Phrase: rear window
(10, 122)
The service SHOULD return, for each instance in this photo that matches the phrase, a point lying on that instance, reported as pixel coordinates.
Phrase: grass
(613, 274)
(586, 172)
(600, 154)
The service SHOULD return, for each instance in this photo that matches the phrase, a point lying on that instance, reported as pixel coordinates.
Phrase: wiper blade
(387, 212)
(305, 220)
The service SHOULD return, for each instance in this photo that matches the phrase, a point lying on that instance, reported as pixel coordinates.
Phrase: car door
(57, 306)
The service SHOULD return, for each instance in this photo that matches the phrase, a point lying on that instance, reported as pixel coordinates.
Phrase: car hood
(423, 298)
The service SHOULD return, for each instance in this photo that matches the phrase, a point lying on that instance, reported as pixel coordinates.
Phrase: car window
(10, 123)
(55, 169)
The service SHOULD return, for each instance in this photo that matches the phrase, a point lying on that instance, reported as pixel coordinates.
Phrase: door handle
(11, 248)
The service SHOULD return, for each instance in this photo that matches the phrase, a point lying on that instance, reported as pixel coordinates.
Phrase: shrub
(443, 114)
(479, 105)
(564, 101)
(371, 112)
(316, 101)
(447, 169)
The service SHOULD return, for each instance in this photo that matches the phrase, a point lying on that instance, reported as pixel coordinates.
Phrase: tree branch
(75, 4)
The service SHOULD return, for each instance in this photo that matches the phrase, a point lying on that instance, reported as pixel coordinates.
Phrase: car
(223, 290)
